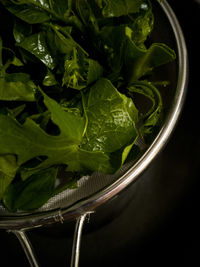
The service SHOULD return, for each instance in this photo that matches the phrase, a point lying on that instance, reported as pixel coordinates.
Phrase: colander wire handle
(27, 247)
(77, 239)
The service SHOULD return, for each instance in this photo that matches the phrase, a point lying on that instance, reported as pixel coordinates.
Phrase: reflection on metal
(77, 240)
(27, 247)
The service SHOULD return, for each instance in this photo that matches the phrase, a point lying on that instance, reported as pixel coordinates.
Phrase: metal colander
(97, 189)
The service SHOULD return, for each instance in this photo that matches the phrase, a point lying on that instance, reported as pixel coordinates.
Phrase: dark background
(160, 225)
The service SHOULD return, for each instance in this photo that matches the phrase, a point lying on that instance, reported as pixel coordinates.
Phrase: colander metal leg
(26, 245)
(77, 240)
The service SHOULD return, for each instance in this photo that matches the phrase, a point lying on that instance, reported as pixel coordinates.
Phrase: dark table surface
(160, 226)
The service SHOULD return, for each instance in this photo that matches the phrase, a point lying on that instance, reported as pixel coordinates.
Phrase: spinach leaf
(36, 44)
(36, 12)
(111, 118)
(31, 194)
(141, 61)
(58, 41)
(8, 168)
(60, 7)
(17, 87)
(31, 12)
(114, 40)
(21, 30)
(28, 141)
(10, 59)
(74, 71)
(85, 12)
(142, 27)
(49, 79)
(14, 86)
(117, 8)
(94, 71)
(119, 157)
(16, 111)
(153, 118)
(62, 38)
(80, 71)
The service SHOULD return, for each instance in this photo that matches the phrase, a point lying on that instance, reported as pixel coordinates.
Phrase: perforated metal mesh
(87, 186)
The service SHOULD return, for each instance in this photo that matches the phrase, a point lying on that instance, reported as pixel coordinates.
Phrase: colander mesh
(86, 186)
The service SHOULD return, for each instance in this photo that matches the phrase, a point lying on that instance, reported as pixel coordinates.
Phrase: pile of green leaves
(69, 73)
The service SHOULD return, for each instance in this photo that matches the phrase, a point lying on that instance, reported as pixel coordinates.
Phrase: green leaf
(31, 194)
(8, 168)
(32, 12)
(94, 72)
(18, 87)
(111, 118)
(74, 71)
(16, 111)
(59, 42)
(117, 8)
(114, 40)
(21, 30)
(49, 79)
(17, 62)
(10, 59)
(28, 141)
(80, 71)
(119, 157)
(36, 11)
(153, 118)
(140, 61)
(142, 27)
(60, 39)
(36, 45)
(5, 180)
(84, 10)
(71, 126)
(60, 7)
(156, 55)
(40, 3)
